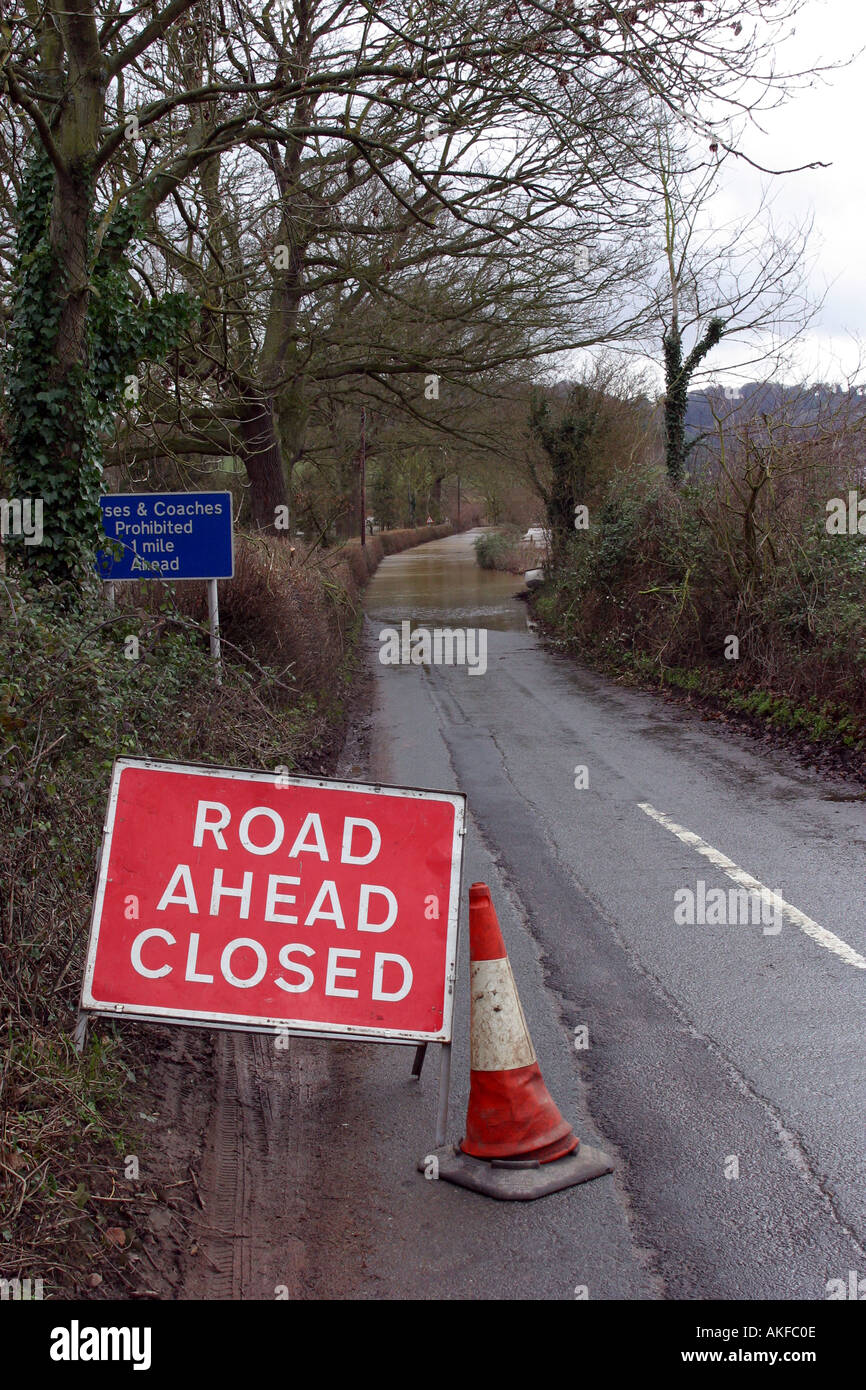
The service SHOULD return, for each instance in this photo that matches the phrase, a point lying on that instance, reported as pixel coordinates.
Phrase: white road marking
(792, 914)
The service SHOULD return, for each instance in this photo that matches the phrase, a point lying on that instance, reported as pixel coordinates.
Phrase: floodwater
(442, 583)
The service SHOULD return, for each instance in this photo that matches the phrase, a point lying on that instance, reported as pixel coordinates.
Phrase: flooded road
(442, 582)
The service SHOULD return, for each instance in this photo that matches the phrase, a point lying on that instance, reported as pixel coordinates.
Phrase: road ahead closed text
(231, 897)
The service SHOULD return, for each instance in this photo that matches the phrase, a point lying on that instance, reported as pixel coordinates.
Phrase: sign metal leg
(418, 1062)
(79, 1037)
(444, 1094)
(213, 613)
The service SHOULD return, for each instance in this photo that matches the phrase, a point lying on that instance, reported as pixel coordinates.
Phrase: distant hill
(797, 404)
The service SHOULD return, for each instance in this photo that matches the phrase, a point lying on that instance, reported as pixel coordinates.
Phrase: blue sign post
(169, 535)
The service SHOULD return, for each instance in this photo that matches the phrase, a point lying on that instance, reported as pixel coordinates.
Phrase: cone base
(518, 1181)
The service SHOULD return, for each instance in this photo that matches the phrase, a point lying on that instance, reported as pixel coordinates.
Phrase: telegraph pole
(362, 480)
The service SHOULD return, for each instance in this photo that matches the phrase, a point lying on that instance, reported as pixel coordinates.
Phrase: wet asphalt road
(725, 1068)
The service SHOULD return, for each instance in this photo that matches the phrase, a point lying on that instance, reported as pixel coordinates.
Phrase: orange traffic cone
(517, 1145)
(511, 1112)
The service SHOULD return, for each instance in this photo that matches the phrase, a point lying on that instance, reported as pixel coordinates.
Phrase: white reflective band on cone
(499, 1036)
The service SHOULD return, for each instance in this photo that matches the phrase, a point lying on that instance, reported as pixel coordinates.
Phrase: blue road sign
(167, 535)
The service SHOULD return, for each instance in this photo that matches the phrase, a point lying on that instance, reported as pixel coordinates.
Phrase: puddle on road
(440, 584)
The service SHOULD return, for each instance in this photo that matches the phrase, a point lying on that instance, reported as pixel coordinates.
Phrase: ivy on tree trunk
(77, 333)
(678, 375)
(568, 444)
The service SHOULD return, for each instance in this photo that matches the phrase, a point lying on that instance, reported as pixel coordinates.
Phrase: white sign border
(255, 1023)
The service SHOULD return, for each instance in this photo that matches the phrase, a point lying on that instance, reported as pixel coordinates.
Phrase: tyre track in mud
(275, 1174)
(238, 1226)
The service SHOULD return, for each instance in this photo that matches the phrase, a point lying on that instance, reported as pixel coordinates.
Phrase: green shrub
(507, 551)
(658, 582)
(489, 548)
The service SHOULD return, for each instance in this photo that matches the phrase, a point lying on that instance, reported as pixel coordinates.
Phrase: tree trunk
(678, 376)
(263, 461)
(51, 452)
(70, 218)
(676, 404)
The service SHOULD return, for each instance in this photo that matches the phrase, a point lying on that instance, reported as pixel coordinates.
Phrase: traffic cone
(511, 1112)
(517, 1145)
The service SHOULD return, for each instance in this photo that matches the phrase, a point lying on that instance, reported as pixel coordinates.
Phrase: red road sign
(252, 900)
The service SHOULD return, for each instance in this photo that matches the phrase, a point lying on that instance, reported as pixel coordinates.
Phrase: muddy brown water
(441, 582)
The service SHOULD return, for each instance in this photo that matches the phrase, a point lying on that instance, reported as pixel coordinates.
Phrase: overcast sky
(824, 122)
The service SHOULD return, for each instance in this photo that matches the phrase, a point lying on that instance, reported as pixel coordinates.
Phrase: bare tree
(746, 281)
